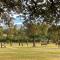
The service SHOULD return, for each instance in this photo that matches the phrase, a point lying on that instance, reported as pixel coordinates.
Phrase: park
(29, 29)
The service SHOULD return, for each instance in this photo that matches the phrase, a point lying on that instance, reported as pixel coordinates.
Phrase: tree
(6, 7)
(43, 31)
(1, 36)
(19, 35)
(30, 31)
(49, 10)
(10, 35)
(53, 33)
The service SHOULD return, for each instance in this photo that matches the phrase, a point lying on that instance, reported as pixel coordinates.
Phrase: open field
(50, 52)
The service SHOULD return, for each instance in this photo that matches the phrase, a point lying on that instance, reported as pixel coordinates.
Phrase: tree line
(41, 19)
(31, 33)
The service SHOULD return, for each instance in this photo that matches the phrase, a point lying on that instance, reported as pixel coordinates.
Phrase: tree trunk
(22, 43)
(27, 43)
(19, 42)
(10, 43)
(1, 44)
(33, 42)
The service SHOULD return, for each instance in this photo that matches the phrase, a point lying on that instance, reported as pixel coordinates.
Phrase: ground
(49, 52)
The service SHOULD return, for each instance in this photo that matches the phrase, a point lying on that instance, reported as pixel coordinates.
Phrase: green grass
(50, 52)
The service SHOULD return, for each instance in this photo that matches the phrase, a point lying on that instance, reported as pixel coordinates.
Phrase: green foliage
(48, 12)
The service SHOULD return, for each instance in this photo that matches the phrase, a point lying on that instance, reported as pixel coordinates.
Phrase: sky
(18, 20)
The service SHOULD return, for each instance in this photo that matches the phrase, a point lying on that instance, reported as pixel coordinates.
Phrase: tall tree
(1, 36)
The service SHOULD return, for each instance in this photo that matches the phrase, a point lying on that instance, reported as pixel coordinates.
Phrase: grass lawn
(29, 53)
